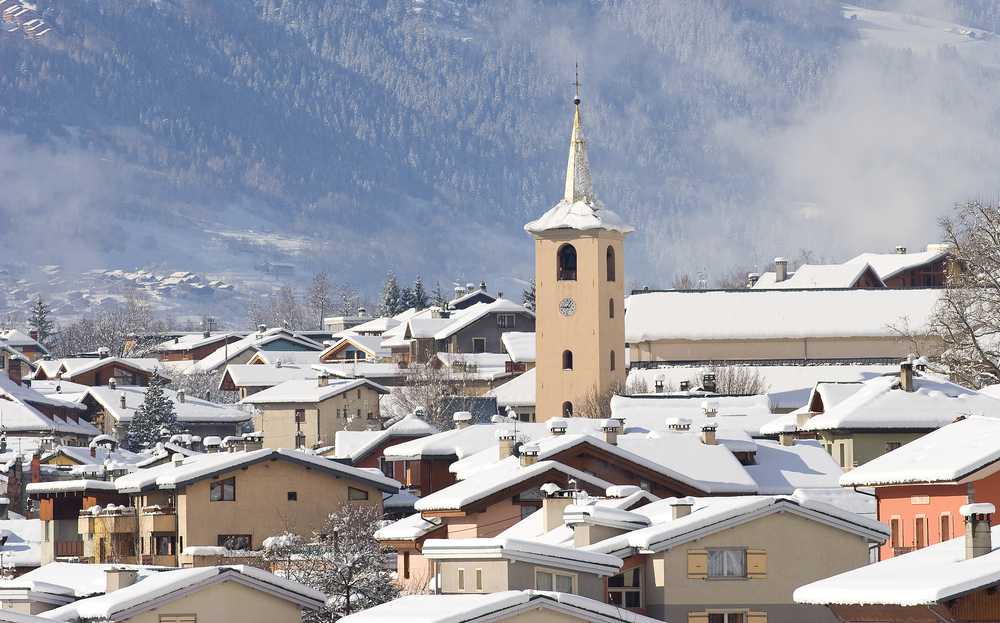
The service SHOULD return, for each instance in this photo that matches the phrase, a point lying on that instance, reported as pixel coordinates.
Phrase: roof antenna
(576, 83)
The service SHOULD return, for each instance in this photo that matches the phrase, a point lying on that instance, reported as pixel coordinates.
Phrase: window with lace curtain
(727, 563)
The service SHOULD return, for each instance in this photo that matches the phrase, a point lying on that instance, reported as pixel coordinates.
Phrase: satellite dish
(517, 449)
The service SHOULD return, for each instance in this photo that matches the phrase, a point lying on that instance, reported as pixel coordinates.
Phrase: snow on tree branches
(154, 419)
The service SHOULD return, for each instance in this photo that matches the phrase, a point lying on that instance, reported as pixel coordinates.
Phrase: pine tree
(528, 295)
(390, 297)
(437, 296)
(154, 418)
(405, 299)
(40, 321)
(420, 300)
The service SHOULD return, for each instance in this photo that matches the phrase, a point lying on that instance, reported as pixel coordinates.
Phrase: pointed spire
(578, 184)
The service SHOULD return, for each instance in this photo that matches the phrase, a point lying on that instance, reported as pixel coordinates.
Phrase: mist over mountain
(419, 135)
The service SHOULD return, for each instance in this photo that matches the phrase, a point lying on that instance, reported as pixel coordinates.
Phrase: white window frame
(506, 320)
(461, 580)
(553, 573)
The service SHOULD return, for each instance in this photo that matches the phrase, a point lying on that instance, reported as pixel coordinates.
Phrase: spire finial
(576, 83)
(578, 184)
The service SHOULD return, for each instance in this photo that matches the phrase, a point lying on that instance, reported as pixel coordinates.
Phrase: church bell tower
(579, 292)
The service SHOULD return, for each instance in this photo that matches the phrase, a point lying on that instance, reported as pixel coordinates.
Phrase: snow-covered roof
(520, 345)
(309, 391)
(810, 276)
(31, 395)
(782, 469)
(194, 340)
(145, 594)
(293, 357)
(714, 514)
(75, 580)
(520, 550)
(474, 366)
(477, 311)
(376, 325)
(19, 339)
(578, 215)
(492, 607)
(224, 353)
(24, 542)
(881, 404)
(192, 409)
(18, 415)
(959, 452)
(352, 370)
(745, 413)
(409, 528)
(517, 392)
(371, 344)
(75, 366)
(355, 445)
(888, 265)
(196, 467)
(926, 576)
(505, 474)
(776, 314)
(101, 454)
(57, 389)
(267, 375)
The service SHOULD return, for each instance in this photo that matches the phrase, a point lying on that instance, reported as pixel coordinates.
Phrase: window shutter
(697, 617)
(697, 560)
(757, 617)
(756, 564)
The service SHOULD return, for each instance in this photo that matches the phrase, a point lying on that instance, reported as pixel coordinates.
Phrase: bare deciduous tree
(735, 379)
(127, 330)
(427, 388)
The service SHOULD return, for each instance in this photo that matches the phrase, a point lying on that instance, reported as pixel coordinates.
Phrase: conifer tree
(405, 299)
(390, 297)
(40, 321)
(437, 296)
(420, 299)
(528, 295)
(154, 417)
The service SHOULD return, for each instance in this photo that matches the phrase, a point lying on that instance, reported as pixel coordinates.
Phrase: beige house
(579, 289)
(144, 595)
(193, 509)
(307, 413)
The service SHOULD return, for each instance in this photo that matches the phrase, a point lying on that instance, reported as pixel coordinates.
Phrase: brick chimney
(529, 455)
(978, 540)
(507, 439)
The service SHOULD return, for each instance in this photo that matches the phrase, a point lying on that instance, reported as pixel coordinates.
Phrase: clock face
(567, 307)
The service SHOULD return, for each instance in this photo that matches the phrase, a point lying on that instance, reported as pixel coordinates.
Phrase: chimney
(33, 334)
(507, 439)
(710, 408)
(36, 467)
(708, 382)
(752, 279)
(206, 334)
(557, 426)
(177, 459)
(362, 312)
(900, 249)
(177, 340)
(4, 507)
(680, 507)
(553, 506)
(612, 428)
(801, 418)
(529, 455)
(461, 419)
(780, 269)
(323, 379)
(113, 383)
(180, 395)
(685, 386)
(482, 285)
(978, 540)
(93, 451)
(459, 291)
(787, 435)
(906, 376)
(261, 330)
(708, 435)
(659, 383)
(103, 352)
(678, 423)
(118, 578)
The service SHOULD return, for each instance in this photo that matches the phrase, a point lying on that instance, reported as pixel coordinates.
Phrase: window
(726, 617)
(919, 531)
(506, 321)
(567, 360)
(385, 466)
(293, 496)
(897, 533)
(843, 459)
(527, 509)
(727, 563)
(164, 545)
(223, 490)
(566, 267)
(300, 416)
(356, 495)
(546, 580)
(610, 263)
(479, 580)
(406, 565)
(479, 344)
(611, 308)
(235, 541)
(612, 361)
(625, 589)
(461, 580)
(371, 416)
(567, 409)
(945, 527)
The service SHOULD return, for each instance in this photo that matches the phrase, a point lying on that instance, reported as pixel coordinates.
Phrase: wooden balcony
(66, 549)
(106, 524)
(159, 520)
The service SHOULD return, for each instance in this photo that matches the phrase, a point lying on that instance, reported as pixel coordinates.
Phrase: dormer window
(566, 268)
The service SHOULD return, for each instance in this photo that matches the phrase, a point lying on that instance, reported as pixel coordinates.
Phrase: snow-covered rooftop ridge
(267, 375)
(170, 476)
(923, 577)
(772, 314)
(477, 311)
(522, 550)
(223, 354)
(409, 528)
(812, 276)
(951, 453)
(520, 345)
(309, 390)
(473, 608)
(194, 340)
(154, 588)
(880, 403)
(190, 409)
(77, 580)
(355, 445)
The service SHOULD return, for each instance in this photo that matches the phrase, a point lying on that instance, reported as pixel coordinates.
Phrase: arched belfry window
(611, 308)
(611, 263)
(567, 360)
(612, 361)
(567, 409)
(566, 268)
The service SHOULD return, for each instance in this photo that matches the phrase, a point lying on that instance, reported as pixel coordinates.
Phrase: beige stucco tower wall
(579, 305)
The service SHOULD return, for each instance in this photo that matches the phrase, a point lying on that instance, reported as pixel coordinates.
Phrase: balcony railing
(67, 549)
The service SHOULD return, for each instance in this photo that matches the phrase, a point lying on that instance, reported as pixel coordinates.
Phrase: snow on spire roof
(579, 208)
